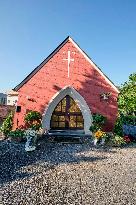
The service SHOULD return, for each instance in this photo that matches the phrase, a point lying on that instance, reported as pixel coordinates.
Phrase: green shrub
(126, 120)
(127, 96)
(129, 119)
(7, 124)
(33, 116)
(118, 140)
(33, 120)
(98, 121)
(118, 127)
(36, 126)
(16, 133)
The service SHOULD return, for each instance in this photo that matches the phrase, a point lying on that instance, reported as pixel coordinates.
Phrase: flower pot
(95, 141)
(103, 141)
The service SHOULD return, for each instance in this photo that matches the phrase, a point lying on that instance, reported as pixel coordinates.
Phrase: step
(70, 135)
(68, 131)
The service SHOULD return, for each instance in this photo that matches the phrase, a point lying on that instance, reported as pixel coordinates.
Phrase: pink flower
(127, 139)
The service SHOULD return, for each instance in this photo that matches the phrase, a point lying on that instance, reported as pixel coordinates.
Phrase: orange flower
(99, 134)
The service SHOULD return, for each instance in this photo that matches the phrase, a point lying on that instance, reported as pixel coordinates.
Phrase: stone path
(71, 174)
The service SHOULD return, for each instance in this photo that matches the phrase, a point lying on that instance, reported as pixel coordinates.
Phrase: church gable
(67, 65)
(63, 53)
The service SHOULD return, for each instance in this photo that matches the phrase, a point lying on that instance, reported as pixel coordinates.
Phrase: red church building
(67, 87)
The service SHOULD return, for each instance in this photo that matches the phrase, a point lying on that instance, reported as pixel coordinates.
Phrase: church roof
(12, 93)
(53, 53)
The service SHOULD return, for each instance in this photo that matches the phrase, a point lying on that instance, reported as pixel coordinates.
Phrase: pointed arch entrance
(80, 102)
(67, 115)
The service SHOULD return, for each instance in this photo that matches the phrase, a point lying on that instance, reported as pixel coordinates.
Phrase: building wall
(11, 100)
(53, 76)
(3, 99)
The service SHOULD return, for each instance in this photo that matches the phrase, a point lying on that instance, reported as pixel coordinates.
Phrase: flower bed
(17, 135)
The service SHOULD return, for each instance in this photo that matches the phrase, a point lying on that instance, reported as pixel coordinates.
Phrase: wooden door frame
(67, 114)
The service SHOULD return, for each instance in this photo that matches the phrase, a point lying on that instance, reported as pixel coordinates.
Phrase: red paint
(53, 76)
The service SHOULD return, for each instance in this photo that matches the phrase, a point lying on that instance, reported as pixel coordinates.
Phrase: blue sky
(31, 29)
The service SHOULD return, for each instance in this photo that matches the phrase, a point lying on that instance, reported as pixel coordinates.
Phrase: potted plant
(96, 128)
(98, 121)
(99, 137)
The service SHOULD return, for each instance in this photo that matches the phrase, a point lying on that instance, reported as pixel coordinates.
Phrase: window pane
(73, 118)
(62, 118)
(74, 108)
(54, 124)
(64, 102)
(71, 101)
(58, 108)
(72, 123)
(54, 118)
(63, 108)
(80, 124)
(80, 118)
(61, 124)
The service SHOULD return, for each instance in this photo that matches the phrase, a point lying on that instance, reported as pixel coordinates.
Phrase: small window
(3, 101)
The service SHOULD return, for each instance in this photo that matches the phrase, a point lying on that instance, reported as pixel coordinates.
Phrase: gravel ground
(72, 174)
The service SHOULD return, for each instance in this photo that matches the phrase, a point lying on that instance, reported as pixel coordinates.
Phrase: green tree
(127, 96)
(7, 124)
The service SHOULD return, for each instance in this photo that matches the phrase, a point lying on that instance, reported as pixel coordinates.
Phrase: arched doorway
(80, 101)
(67, 115)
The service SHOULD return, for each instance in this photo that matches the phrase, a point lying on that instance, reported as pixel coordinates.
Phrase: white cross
(69, 59)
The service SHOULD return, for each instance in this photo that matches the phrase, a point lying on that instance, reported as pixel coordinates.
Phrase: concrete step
(67, 132)
(67, 135)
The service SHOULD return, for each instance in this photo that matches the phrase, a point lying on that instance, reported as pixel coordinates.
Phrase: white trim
(68, 90)
(68, 59)
(92, 63)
